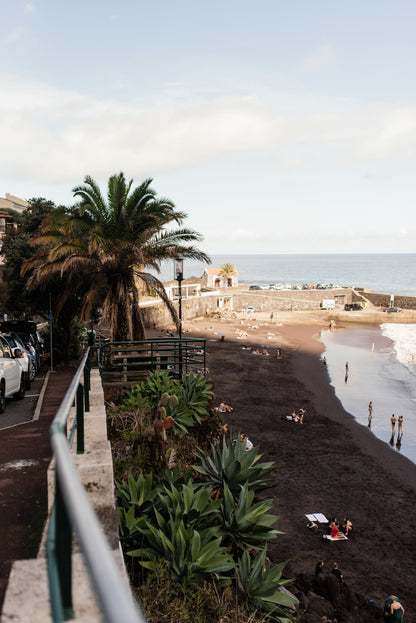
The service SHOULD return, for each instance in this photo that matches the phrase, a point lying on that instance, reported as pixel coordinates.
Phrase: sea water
(381, 368)
(387, 273)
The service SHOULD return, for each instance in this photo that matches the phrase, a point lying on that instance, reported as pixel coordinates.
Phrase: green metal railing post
(63, 545)
(87, 385)
(80, 419)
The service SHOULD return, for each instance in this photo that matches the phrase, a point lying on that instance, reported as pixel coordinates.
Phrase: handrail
(72, 512)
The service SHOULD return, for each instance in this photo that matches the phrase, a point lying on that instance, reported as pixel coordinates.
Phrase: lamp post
(179, 278)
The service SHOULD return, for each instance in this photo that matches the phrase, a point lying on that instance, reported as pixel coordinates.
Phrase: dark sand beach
(330, 464)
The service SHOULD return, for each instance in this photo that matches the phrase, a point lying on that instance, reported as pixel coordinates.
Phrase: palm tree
(109, 244)
(226, 271)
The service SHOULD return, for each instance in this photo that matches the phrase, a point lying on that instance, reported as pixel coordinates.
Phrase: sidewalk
(25, 454)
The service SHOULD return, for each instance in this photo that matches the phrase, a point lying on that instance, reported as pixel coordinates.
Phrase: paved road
(25, 454)
(20, 411)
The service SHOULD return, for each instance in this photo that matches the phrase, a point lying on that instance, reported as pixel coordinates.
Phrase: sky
(278, 127)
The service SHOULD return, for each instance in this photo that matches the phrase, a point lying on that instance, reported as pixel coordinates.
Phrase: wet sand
(330, 464)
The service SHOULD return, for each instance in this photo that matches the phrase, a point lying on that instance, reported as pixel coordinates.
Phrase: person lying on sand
(249, 445)
(294, 416)
(224, 407)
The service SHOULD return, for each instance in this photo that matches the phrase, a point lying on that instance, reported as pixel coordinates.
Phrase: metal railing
(72, 512)
(132, 361)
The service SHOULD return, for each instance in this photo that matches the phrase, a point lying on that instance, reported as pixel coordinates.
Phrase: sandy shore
(330, 464)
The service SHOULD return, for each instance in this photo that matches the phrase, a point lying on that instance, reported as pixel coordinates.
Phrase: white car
(12, 380)
(24, 357)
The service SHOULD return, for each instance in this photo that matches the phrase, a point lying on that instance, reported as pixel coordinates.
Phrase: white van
(328, 304)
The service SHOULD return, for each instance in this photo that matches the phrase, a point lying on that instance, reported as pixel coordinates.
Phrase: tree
(109, 244)
(16, 249)
(226, 271)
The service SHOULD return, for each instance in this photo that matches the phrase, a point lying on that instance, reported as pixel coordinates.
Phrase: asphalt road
(21, 411)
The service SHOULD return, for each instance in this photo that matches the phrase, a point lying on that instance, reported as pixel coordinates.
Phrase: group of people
(399, 421)
(261, 352)
(297, 417)
(393, 610)
(335, 531)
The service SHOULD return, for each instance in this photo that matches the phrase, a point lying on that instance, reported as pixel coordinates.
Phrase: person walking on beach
(393, 423)
(370, 412)
(324, 361)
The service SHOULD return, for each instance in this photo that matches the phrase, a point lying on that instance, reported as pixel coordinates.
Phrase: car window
(5, 348)
(10, 341)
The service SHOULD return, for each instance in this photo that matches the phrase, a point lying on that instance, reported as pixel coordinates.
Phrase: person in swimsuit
(396, 610)
(393, 422)
(400, 424)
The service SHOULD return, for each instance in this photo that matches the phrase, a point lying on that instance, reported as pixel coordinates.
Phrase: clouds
(318, 60)
(55, 135)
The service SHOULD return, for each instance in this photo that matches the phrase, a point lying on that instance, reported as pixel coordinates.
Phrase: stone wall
(264, 300)
(383, 300)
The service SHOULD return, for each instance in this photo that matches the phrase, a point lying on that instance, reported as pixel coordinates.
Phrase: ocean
(391, 274)
(381, 360)
(381, 368)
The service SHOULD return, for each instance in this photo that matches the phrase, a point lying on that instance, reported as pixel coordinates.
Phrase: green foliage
(194, 399)
(204, 602)
(260, 586)
(174, 521)
(193, 532)
(185, 400)
(111, 241)
(246, 523)
(233, 466)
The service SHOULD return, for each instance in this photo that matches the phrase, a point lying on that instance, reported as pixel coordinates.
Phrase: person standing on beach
(400, 424)
(324, 361)
(370, 412)
(393, 423)
(337, 572)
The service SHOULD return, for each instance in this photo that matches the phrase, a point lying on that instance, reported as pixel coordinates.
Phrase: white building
(212, 278)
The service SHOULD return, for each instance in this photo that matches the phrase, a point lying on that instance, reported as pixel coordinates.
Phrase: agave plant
(233, 466)
(182, 530)
(246, 523)
(260, 585)
(158, 383)
(194, 398)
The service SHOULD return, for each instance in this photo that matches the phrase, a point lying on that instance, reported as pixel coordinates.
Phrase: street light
(179, 278)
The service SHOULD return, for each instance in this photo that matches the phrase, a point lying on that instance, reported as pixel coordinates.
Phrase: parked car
(254, 288)
(356, 306)
(393, 309)
(28, 333)
(12, 382)
(24, 358)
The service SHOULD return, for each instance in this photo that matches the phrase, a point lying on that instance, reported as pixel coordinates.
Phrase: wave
(403, 337)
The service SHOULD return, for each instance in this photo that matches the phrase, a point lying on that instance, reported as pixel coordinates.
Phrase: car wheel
(2, 399)
(21, 393)
(32, 371)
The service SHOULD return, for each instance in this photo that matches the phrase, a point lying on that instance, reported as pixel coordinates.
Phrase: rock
(321, 606)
